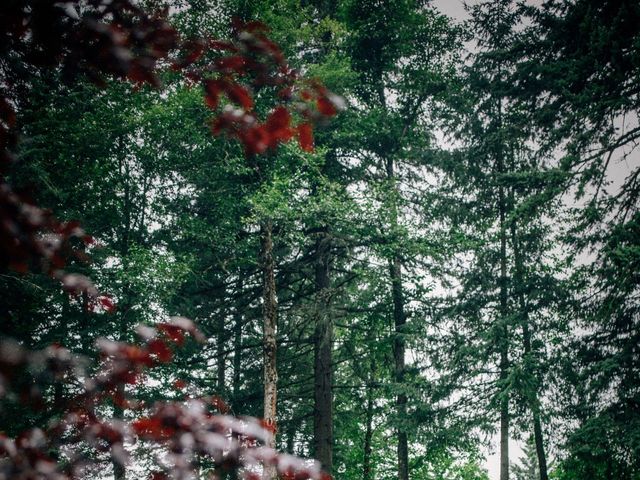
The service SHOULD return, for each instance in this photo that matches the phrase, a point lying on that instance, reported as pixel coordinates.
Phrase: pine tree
(527, 467)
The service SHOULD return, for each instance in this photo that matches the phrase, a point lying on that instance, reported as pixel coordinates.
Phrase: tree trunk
(504, 337)
(237, 350)
(323, 398)
(399, 319)
(503, 340)
(399, 358)
(119, 471)
(532, 396)
(291, 438)
(542, 459)
(83, 323)
(367, 473)
(270, 315)
(220, 360)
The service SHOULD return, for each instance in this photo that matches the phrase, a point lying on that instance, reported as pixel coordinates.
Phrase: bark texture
(238, 320)
(270, 316)
(504, 348)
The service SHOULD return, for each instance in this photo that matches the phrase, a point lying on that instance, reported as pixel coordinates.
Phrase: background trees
(419, 293)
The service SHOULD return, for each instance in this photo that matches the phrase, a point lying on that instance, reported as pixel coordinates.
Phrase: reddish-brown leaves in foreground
(31, 237)
(305, 137)
(117, 38)
(98, 38)
(189, 431)
(120, 39)
(262, 65)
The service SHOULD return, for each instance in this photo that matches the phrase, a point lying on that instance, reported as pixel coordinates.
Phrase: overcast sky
(452, 8)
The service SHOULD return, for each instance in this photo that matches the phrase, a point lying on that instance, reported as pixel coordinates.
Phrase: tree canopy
(398, 239)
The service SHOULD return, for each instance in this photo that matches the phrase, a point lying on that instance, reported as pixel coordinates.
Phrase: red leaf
(305, 137)
(279, 119)
(136, 354)
(234, 63)
(273, 49)
(179, 384)
(278, 126)
(326, 107)
(212, 89)
(119, 399)
(219, 124)
(286, 93)
(152, 427)
(288, 474)
(173, 332)
(253, 27)
(218, 403)
(107, 303)
(195, 51)
(220, 45)
(238, 94)
(140, 74)
(160, 349)
(256, 140)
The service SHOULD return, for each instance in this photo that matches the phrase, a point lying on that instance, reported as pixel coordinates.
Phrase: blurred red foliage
(186, 432)
(99, 39)
(116, 38)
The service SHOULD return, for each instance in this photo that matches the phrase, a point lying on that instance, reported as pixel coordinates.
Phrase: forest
(239, 235)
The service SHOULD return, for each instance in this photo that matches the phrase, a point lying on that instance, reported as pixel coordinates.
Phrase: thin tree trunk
(504, 349)
(399, 319)
(323, 398)
(399, 358)
(367, 472)
(270, 315)
(532, 396)
(83, 323)
(119, 471)
(238, 319)
(504, 333)
(237, 349)
(291, 438)
(62, 337)
(503, 341)
(220, 356)
(542, 458)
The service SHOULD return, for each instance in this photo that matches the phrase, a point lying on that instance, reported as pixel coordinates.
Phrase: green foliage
(176, 213)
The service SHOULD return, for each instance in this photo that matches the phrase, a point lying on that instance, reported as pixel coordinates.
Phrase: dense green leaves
(459, 246)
